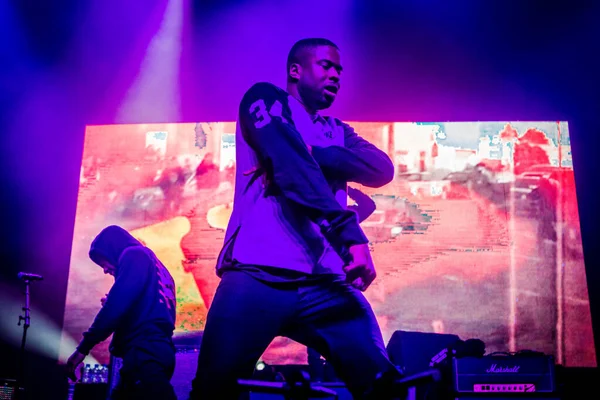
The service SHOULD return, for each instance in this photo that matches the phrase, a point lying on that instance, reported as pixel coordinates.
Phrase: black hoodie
(140, 307)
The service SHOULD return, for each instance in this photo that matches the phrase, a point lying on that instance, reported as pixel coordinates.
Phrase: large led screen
(477, 235)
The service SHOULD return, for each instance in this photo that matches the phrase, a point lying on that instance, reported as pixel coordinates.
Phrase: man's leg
(155, 384)
(336, 320)
(315, 364)
(147, 374)
(244, 318)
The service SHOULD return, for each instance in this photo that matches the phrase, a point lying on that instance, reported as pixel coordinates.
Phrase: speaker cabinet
(413, 351)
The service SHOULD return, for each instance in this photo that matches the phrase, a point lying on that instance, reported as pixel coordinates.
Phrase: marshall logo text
(495, 369)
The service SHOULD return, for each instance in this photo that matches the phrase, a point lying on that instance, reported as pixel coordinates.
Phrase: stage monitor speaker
(413, 351)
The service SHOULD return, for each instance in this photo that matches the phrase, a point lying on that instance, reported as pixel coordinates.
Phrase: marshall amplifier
(511, 374)
(502, 397)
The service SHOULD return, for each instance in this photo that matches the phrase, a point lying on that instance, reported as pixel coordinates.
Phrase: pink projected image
(477, 235)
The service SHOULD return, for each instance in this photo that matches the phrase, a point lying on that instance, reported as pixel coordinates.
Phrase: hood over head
(110, 244)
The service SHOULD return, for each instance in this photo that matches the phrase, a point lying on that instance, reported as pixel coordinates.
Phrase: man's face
(108, 268)
(318, 76)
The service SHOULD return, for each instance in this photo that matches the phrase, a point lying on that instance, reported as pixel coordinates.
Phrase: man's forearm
(371, 168)
(104, 325)
(133, 272)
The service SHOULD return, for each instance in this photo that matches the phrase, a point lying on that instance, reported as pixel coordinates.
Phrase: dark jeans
(247, 314)
(146, 375)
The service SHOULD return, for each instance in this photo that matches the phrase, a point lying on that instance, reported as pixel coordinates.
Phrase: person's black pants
(146, 375)
(247, 314)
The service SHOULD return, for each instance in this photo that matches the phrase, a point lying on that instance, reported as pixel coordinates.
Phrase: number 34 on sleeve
(261, 116)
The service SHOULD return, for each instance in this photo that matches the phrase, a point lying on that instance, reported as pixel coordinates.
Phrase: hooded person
(139, 311)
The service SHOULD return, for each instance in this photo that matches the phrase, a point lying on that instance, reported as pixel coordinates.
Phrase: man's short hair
(298, 49)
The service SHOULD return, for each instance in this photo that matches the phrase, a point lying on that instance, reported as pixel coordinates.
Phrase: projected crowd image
(477, 235)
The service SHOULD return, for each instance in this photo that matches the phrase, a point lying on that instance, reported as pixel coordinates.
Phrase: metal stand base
(302, 389)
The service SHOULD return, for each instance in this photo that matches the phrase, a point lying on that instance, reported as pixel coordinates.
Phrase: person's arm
(133, 273)
(358, 161)
(365, 206)
(267, 125)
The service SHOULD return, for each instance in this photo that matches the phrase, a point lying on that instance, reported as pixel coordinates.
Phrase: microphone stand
(26, 319)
